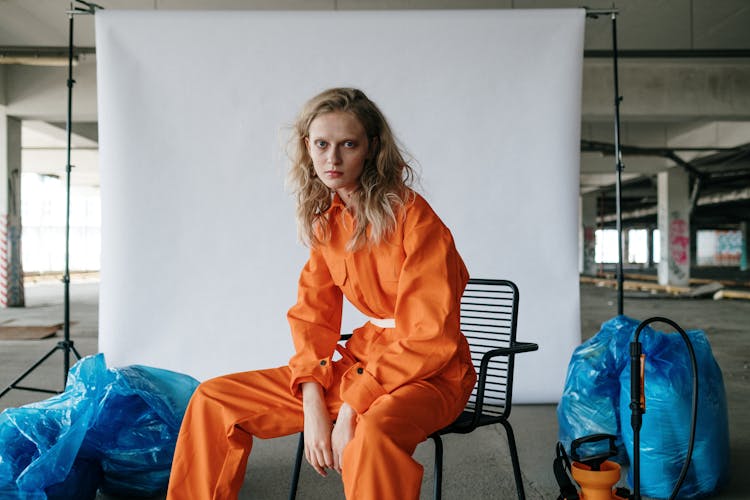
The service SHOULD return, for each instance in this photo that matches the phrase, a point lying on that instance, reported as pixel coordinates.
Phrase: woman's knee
(380, 430)
(212, 390)
(207, 389)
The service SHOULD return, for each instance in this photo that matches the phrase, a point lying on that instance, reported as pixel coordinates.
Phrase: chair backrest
(489, 311)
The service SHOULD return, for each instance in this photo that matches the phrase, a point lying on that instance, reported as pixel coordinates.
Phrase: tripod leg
(72, 348)
(14, 384)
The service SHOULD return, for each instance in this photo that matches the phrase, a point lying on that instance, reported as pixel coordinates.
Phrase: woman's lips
(334, 173)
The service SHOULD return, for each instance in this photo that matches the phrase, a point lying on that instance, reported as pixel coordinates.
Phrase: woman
(403, 375)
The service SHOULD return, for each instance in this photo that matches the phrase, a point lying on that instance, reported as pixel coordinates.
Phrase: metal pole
(618, 168)
(66, 275)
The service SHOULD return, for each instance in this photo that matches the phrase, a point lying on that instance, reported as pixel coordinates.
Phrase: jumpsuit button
(360, 371)
(323, 362)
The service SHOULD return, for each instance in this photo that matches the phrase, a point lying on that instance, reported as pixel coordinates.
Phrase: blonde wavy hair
(384, 185)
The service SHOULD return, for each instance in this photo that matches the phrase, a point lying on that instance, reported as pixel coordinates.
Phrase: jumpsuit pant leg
(377, 463)
(218, 428)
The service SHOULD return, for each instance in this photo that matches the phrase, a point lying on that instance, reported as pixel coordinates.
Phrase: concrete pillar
(649, 247)
(11, 267)
(743, 257)
(674, 227)
(587, 233)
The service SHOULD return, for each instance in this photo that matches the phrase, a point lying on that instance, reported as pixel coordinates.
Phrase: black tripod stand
(66, 345)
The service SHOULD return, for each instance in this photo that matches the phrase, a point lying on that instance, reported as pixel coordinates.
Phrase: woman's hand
(317, 428)
(342, 433)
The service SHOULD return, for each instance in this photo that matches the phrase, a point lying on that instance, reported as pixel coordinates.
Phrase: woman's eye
(320, 144)
(349, 144)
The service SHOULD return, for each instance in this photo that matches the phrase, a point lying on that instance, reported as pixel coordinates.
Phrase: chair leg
(514, 460)
(438, 466)
(297, 466)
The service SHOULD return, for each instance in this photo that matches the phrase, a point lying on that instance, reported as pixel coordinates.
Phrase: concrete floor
(477, 465)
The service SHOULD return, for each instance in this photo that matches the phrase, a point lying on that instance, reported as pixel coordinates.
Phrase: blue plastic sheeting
(111, 429)
(596, 399)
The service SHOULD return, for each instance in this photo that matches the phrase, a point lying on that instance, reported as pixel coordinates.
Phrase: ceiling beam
(703, 201)
(664, 91)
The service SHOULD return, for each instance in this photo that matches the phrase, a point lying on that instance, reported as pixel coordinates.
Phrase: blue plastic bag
(81, 483)
(39, 441)
(591, 397)
(666, 424)
(136, 432)
(113, 429)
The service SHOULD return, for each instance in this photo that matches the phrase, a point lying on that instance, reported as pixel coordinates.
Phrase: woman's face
(338, 146)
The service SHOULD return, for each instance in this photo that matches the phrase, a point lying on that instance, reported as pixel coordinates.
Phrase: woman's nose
(334, 156)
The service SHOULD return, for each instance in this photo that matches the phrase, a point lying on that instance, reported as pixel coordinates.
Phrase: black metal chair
(489, 314)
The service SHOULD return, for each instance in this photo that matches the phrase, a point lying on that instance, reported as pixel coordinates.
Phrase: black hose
(635, 394)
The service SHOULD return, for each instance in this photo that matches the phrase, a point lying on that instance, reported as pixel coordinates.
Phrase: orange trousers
(226, 412)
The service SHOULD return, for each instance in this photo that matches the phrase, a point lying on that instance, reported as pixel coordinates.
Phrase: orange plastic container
(597, 484)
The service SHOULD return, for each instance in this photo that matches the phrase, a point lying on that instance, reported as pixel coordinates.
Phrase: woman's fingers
(317, 428)
(338, 449)
(318, 466)
(328, 457)
(337, 462)
(312, 459)
(342, 434)
(319, 455)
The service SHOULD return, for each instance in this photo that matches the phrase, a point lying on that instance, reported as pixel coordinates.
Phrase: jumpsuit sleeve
(427, 314)
(315, 322)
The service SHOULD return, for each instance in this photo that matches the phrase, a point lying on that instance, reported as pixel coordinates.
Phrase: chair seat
(463, 424)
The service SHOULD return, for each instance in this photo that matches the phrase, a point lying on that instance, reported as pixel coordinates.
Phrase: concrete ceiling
(684, 74)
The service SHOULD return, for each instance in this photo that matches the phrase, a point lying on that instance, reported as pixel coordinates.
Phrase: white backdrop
(199, 252)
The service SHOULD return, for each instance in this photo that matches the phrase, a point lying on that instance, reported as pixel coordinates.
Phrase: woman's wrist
(312, 393)
(346, 412)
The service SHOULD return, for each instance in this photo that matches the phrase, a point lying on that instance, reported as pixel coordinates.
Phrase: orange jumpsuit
(404, 382)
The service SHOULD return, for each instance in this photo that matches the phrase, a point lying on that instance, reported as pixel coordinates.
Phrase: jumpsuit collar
(337, 202)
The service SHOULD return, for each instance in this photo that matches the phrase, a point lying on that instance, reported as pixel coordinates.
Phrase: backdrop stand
(619, 167)
(66, 345)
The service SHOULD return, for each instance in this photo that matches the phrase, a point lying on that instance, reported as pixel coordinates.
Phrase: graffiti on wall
(11, 269)
(679, 241)
(16, 296)
(679, 246)
(728, 248)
